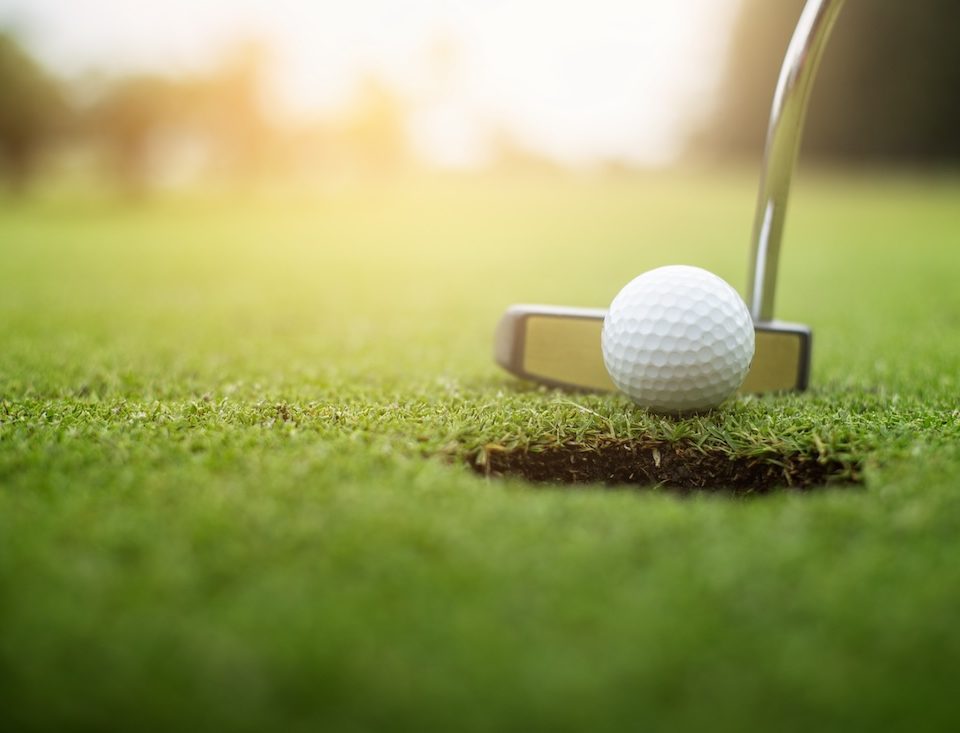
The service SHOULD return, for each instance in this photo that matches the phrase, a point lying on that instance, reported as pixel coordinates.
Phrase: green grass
(233, 491)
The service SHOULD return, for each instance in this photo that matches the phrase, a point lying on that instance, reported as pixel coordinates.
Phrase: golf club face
(560, 347)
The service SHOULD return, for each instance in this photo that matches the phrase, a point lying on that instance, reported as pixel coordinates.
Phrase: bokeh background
(155, 96)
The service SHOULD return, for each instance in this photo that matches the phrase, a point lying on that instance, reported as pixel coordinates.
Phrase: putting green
(233, 490)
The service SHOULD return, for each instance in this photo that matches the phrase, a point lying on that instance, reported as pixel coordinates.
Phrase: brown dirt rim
(674, 465)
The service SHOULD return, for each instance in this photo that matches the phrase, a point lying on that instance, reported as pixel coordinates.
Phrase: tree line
(888, 90)
(138, 125)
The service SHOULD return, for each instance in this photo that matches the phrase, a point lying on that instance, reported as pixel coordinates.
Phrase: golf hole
(674, 466)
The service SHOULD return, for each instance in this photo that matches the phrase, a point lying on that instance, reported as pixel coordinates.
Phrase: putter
(560, 346)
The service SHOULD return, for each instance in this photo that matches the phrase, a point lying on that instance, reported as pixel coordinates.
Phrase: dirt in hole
(679, 466)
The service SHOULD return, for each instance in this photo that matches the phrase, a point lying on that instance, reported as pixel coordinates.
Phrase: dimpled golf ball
(678, 339)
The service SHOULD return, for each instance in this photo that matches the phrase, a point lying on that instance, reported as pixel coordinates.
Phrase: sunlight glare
(579, 82)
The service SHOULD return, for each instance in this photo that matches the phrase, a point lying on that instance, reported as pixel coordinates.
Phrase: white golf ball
(678, 339)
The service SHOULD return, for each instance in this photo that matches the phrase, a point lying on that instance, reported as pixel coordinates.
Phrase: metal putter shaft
(560, 346)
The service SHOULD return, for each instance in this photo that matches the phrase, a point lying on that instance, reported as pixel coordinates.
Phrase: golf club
(560, 346)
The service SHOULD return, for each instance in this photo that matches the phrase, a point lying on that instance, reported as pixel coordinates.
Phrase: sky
(580, 81)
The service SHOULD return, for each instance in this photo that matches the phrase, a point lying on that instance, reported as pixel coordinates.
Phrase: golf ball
(678, 339)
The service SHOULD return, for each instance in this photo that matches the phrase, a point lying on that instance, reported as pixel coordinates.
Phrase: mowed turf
(234, 491)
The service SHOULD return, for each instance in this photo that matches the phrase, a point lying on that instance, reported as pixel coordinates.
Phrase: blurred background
(151, 96)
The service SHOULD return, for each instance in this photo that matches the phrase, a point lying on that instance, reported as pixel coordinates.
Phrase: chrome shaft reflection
(783, 143)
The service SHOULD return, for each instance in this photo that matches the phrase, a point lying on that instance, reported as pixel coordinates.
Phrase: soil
(679, 466)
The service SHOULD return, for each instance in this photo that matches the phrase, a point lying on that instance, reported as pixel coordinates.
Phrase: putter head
(560, 347)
